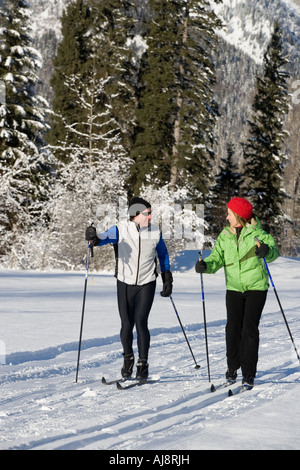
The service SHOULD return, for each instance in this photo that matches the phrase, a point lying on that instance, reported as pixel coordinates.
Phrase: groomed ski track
(41, 406)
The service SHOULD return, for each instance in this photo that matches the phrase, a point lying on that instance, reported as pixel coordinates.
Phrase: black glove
(262, 250)
(90, 233)
(91, 236)
(200, 266)
(167, 279)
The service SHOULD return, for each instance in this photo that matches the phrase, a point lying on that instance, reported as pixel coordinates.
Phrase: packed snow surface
(41, 406)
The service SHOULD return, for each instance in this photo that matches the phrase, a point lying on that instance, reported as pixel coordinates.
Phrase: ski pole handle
(201, 277)
(89, 236)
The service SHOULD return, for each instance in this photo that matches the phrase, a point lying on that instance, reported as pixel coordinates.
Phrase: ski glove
(167, 279)
(262, 250)
(200, 267)
(91, 236)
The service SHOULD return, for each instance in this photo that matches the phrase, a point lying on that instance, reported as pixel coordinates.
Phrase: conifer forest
(156, 98)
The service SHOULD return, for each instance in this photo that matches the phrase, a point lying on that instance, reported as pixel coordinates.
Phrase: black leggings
(244, 310)
(135, 303)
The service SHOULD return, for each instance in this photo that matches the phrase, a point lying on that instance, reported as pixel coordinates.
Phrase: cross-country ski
(215, 387)
(112, 382)
(238, 391)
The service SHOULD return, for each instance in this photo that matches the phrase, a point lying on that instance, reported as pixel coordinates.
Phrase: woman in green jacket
(246, 284)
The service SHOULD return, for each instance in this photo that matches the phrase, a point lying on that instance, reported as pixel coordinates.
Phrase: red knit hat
(241, 207)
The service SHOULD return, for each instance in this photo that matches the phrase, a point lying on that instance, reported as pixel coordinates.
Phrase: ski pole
(204, 318)
(279, 303)
(90, 252)
(196, 366)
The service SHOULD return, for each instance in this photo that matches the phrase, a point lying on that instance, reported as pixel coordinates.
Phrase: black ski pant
(134, 304)
(244, 311)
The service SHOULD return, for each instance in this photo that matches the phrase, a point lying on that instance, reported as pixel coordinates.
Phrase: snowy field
(41, 406)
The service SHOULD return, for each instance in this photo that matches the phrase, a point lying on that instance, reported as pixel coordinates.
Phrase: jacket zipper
(139, 256)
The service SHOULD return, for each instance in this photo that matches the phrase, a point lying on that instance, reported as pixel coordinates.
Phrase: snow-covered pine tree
(23, 186)
(263, 157)
(193, 152)
(71, 58)
(92, 126)
(115, 29)
(176, 113)
(99, 32)
(91, 179)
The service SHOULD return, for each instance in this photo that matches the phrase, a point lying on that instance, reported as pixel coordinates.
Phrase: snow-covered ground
(41, 406)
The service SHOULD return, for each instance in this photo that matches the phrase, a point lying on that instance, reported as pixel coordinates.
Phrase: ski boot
(231, 376)
(142, 371)
(248, 383)
(127, 368)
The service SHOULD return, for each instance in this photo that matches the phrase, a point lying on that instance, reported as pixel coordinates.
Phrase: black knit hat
(137, 205)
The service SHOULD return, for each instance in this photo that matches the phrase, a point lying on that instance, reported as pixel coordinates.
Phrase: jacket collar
(254, 223)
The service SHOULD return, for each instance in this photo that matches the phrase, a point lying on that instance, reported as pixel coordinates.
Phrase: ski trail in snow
(50, 411)
(41, 406)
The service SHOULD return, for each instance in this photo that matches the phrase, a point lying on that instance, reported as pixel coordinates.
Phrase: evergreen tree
(93, 177)
(228, 184)
(71, 59)
(92, 103)
(264, 160)
(176, 113)
(23, 122)
(114, 30)
(95, 40)
(92, 121)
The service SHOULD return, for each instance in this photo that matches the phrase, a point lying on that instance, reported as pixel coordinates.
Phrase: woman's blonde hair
(243, 221)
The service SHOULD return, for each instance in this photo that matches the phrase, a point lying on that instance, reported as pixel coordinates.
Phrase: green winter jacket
(243, 269)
